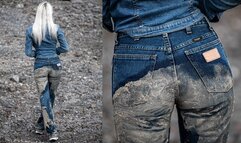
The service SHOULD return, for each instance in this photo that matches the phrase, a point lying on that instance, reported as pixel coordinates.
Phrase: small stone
(20, 5)
(12, 89)
(93, 105)
(15, 78)
(77, 54)
(22, 79)
(3, 139)
(76, 1)
(95, 58)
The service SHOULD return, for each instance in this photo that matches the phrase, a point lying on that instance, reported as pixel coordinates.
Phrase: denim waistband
(41, 62)
(166, 27)
(47, 59)
(187, 27)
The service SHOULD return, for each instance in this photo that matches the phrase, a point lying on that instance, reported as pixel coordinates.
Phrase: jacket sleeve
(64, 47)
(106, 16)
(213, 9)
(29, 45)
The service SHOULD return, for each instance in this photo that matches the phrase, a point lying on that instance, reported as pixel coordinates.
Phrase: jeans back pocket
(130, 67)
(215, 73)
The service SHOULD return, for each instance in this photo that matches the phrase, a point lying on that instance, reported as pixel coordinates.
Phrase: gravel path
(78, 107)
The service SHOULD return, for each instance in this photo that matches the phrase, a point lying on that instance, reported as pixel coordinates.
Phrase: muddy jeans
(187, 68)
(47, 80)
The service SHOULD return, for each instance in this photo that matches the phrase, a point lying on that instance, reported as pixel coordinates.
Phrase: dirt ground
(78, 107)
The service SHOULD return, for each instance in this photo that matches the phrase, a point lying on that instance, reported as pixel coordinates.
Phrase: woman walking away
(44, 35)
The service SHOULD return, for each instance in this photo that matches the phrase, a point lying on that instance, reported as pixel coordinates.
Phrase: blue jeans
(187, 68)
(47, 80)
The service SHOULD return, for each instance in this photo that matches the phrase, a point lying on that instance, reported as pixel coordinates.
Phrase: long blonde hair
(44, 22)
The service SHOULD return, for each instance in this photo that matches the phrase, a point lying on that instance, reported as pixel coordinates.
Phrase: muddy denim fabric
(55, 63)
(47, 80)
(152, 75)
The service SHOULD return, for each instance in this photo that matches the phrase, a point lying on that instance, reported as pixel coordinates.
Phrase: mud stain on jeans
(142, 109)
(46, 118)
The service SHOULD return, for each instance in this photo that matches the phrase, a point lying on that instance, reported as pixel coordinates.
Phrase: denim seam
(199, 23)
(154, 65)
(139, 32)
(136, 13)
(134, 56)
(167, 25)
(134, 47)
(203, 47)
(167, 43)
(212, 90)
(189, 42)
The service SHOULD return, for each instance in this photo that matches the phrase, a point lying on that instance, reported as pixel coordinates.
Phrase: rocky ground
(78, 107)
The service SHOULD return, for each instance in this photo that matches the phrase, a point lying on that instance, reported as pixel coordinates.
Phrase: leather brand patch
(211, 55)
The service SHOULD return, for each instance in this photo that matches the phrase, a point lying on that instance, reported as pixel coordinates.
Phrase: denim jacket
(45, 54)
(153, 17)
(213, 9)
(47, 49)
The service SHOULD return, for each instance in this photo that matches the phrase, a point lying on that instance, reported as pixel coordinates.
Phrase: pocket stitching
(190, 42)
(202, 48)
(198, 72)
(132, 57)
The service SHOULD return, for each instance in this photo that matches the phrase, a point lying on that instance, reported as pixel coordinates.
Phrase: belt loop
(165, 35)
(166, 40)
(189, 30)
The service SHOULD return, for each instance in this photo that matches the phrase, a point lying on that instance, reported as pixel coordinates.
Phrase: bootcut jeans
(187, 69)
(47, 79)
